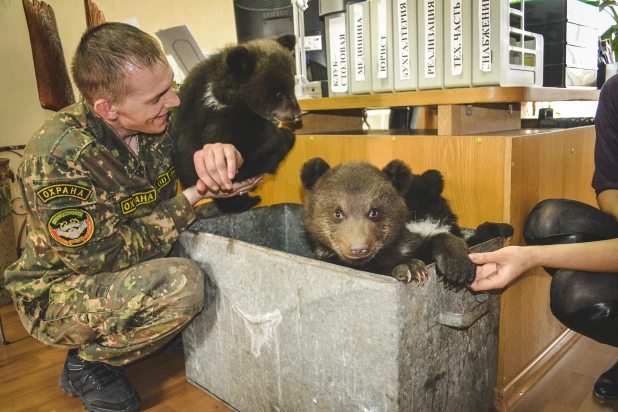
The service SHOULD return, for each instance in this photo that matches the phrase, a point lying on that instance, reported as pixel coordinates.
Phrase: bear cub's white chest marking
(428, 227)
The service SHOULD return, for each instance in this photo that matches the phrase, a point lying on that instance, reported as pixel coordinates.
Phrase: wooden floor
(567, 387)
(29, 374)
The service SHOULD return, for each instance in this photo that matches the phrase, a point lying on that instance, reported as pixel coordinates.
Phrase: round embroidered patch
(71, 227)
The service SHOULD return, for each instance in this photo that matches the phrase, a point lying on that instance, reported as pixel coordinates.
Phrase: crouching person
(100, 191)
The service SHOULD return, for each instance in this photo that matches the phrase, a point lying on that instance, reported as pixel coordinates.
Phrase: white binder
(405, 45)
(430, 44)
(457, 43)
(381, 18)
(359, 41)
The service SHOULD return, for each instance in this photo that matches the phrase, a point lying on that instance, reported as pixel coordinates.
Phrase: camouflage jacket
(93, 205)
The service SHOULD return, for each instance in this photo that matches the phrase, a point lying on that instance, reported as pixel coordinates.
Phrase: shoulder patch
(165, 178)
(63, 190)
(138, 199)
(71, 227)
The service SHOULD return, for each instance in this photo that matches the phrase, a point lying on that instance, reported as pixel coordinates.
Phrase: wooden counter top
(450, 97)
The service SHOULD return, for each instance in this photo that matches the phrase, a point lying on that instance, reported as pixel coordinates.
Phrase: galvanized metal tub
(284, 332)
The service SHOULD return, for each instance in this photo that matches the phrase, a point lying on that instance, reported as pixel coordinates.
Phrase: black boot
(606, 386)
(102, 387)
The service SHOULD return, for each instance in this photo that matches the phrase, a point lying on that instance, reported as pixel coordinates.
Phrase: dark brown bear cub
(430, 213)
(235, 96)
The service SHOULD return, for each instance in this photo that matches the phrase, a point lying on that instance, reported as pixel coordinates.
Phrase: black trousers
(585, 302)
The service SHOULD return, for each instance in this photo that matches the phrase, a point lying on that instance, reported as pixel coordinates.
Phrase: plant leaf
(615, 46)
(606, 3)
(591, 3)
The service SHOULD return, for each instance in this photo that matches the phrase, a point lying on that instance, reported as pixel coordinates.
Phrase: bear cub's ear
(400, 176)
(431, 183)
(312, 171)
(240, 60)
(287, 40)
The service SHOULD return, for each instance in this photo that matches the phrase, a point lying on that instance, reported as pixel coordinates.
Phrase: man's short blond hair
(105, 55)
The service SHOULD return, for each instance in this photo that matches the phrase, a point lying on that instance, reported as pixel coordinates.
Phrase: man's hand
(238, 188)
(216, 165)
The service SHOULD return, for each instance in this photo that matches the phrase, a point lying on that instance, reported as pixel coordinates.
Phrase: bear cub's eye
(338, 214)
(280, 96)
(373, 214)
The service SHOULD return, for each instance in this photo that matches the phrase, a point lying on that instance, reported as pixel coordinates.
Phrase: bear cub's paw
(489, 230)
(452, 262)
(413, 270)
(496, 230)
(237, 204)
(455, 269)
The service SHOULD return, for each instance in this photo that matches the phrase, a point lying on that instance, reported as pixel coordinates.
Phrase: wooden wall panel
(473, 170)
(331, 121)
(549, 165)
(483, 118)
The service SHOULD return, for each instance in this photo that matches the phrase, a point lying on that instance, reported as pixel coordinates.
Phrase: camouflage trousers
(120, 317)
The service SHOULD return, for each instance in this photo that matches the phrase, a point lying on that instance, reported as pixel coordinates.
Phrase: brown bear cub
(356, 215)
(236, 96)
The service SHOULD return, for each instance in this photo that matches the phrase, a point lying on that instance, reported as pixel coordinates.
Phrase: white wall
(211, 22)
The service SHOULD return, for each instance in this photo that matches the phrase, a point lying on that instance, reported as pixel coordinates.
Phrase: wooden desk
(494, 171)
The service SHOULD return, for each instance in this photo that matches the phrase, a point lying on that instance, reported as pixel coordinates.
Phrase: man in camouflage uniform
(101, 194)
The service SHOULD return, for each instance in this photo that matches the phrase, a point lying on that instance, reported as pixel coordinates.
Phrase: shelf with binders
(493, 109)
(450, 96)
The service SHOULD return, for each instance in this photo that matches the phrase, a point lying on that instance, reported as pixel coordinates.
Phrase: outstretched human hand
(216, 165)
(497, 269)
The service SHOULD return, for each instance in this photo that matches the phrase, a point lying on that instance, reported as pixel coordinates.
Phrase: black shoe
(102, 387)
(606, 386)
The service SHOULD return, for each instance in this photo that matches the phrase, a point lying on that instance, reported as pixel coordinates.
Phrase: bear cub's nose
(359, 249)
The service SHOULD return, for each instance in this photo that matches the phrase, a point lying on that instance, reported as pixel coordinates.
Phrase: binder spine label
(430, 39)
(358, 39)
(485, 36)
(338, 55)
(404, 39)
(382, 45)
(456, 38)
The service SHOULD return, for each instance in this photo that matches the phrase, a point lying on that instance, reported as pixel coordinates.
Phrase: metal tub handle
(465, 320)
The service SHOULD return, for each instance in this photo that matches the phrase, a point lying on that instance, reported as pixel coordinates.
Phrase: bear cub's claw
(415, 269)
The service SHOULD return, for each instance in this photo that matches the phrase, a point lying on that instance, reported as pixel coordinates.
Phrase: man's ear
(106, 109)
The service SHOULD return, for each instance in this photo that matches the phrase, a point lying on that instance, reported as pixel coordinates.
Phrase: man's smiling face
(146, 105)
